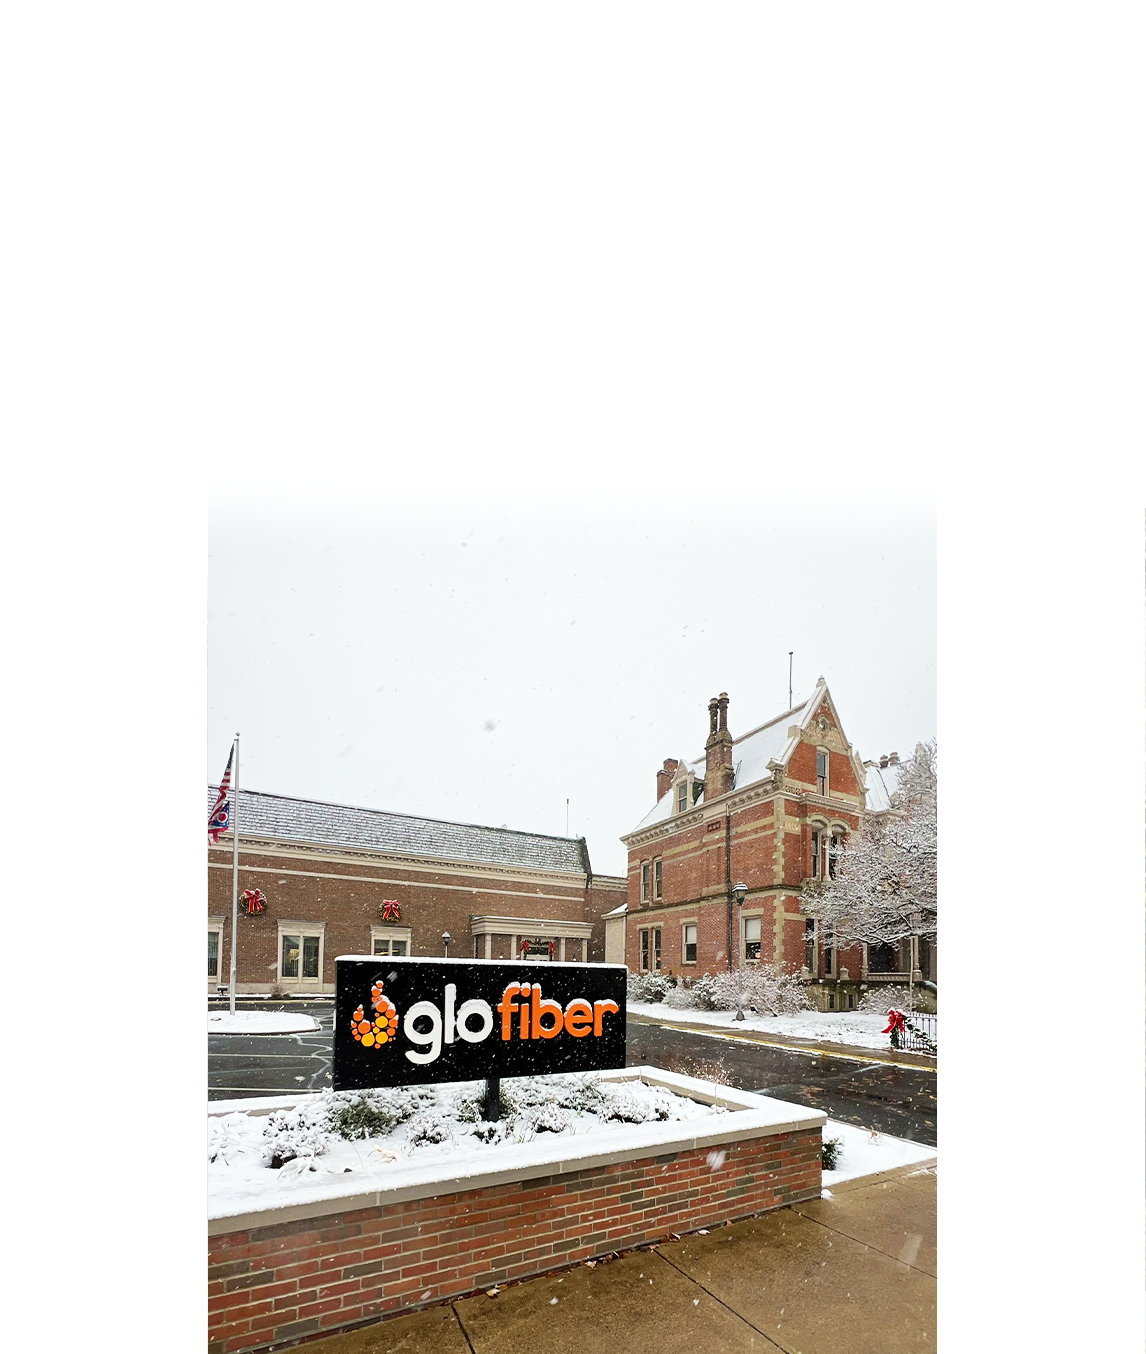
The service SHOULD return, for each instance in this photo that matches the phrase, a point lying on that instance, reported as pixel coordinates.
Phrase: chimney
(718, 772)
(664, 778)
(883, 761)
(893, 760)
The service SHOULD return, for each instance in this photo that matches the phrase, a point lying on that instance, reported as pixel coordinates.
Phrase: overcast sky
(485, 670)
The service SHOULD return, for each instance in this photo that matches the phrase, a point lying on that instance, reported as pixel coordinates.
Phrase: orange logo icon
(382, 1029)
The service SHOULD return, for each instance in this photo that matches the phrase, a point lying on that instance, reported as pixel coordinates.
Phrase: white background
(738, 278)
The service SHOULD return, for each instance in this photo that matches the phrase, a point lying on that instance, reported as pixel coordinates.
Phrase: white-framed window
(658, 878)
(821, 771)
(300, 954)
(751, 927)
(644, 881)
(214, 951)
(817, 852)
(650, 949)
(810, 945)
(682, 797)
(688, 942)
(390, 940)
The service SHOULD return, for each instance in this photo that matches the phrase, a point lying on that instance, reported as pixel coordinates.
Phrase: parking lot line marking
(816, 1052)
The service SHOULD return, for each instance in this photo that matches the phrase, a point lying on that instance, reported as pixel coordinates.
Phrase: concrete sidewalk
(852, 1274)
(896, 1057)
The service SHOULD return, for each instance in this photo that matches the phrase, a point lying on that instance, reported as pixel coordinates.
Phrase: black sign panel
(401, 1022)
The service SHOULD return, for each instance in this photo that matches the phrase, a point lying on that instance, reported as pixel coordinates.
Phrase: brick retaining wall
(316, 1275)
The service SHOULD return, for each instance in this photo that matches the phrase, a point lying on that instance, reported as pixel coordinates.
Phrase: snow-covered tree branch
(885, 885)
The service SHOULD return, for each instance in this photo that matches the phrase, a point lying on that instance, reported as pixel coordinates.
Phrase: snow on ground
(441, 1135)
(861, 1154)
(859, 1028)
(259, 1022)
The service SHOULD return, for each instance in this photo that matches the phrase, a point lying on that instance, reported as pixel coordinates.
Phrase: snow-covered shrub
(649, 986)
(879, 998)
(830, 1152)
(703, 993)
(762, 988)
(429, 1126)
(679, 998)
(366, 1114)
(300, 1132)
(626, 1108)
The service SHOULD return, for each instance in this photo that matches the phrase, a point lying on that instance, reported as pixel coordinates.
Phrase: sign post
(404, 1022)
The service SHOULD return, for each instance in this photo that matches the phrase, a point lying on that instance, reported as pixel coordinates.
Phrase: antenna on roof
(567, 818)
(790, 652)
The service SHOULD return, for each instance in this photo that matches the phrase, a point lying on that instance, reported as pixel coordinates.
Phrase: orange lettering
(578, 1018)
(506, 1007)
(599, 1009)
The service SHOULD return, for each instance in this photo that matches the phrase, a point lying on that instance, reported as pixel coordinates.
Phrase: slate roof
(309, 820)
(751, 753)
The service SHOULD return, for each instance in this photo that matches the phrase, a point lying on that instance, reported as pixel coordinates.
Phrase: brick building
(342, 880)
(769, 809)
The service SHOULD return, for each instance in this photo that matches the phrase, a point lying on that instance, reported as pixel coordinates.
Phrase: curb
(862, 1181)
(922, 1062)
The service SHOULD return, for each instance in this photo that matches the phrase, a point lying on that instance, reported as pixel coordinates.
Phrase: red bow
(895, 1021)
(390, 910)
(254, 900)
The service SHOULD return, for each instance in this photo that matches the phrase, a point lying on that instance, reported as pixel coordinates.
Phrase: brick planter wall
(312, 1276)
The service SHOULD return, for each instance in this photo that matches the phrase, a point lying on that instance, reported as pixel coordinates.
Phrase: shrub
(366, 1114)
(294, 1133)
(427, 1126)
(679, 998)
(879, 998)
(648, 986)
(703, 993)
(762, 988)
(830, 1152)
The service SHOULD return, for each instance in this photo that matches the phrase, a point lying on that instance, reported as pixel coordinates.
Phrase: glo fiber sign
(398, 1022)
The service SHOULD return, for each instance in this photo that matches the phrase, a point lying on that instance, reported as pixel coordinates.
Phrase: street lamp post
(739, 892)
(445, 944)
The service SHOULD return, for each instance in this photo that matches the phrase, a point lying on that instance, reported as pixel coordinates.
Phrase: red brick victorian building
(769, 809)
(334, 879)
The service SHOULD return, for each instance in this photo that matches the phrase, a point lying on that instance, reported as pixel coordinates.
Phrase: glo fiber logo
(373, 1034)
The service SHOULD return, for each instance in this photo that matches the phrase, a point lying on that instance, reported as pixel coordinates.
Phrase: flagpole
(234, 873)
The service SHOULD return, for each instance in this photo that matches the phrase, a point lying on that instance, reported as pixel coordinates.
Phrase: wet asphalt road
(895, 1100)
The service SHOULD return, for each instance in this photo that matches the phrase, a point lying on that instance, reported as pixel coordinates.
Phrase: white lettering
(474, 1007)
(432, 1039)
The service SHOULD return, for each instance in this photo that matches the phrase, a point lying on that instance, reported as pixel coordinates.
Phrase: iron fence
(921, 1033)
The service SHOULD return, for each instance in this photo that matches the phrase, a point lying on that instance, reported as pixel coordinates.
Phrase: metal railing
(920, 1034)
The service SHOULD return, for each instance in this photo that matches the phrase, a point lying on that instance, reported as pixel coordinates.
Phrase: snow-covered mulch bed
(383, 1138)
(858, 1028)
(259, 1022)
(862, 1153)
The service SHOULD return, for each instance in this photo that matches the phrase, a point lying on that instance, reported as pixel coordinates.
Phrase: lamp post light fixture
(445, 944)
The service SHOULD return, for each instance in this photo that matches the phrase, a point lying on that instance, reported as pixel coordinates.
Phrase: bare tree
(884, 890)
(763, 987)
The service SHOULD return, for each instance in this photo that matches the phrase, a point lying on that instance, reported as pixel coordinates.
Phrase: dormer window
(682, 797)
(821, 772)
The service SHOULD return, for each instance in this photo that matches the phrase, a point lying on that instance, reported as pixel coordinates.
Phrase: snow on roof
(309, 820)
(751, 753)
(882, 783)
(616, 912)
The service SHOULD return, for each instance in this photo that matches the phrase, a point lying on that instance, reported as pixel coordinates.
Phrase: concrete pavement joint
(739, 1316)
(859, 1241)
(465, 1333)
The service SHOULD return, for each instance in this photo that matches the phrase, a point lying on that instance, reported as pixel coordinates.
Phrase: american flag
(220, 815)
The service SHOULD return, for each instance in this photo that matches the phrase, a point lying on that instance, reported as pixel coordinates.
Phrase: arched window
(835, 846)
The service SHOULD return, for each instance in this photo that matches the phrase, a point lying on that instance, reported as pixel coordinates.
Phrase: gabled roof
(751, 753)
(321, 824)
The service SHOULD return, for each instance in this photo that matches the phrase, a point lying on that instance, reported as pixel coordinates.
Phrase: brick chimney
(718, 770)
(664, 778)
